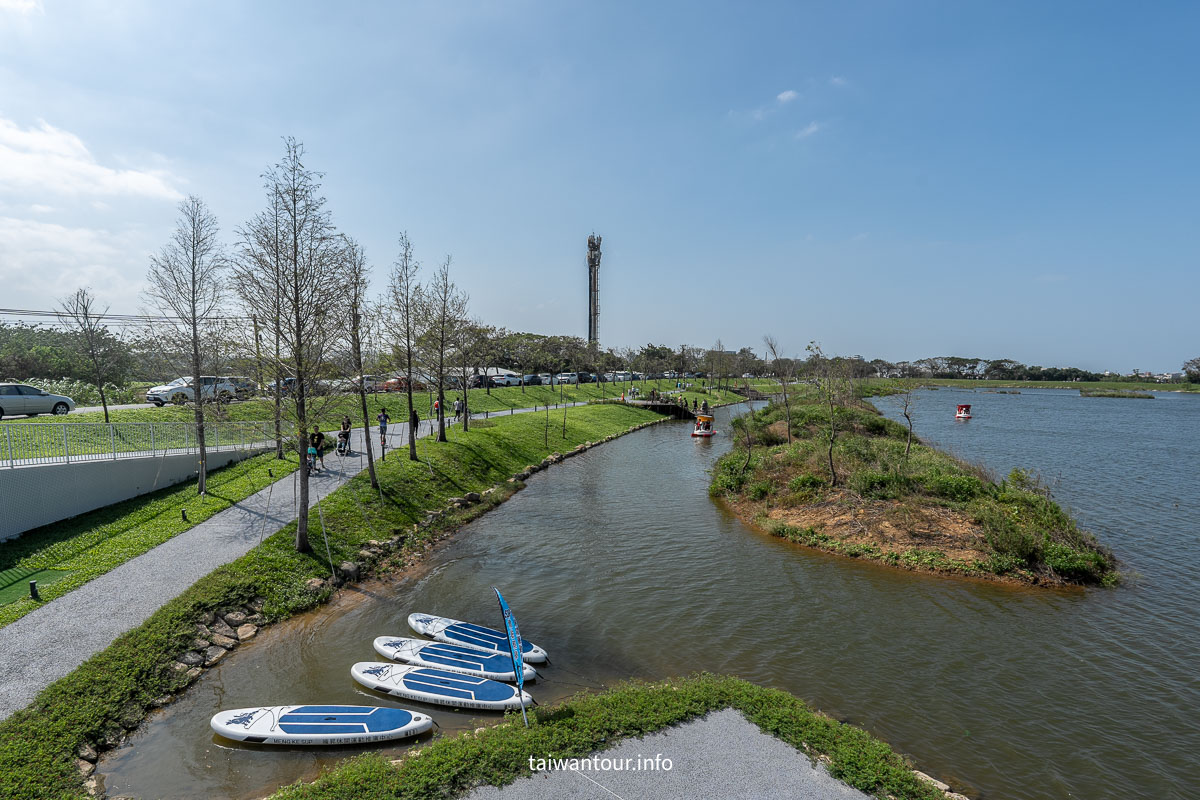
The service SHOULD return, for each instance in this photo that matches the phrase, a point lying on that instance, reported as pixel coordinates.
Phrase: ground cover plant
(590, 722)
(918, 508)
(72, 552)
(114, 689)
(1115, 393)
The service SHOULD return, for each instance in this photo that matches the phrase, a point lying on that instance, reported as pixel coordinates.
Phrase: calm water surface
(619, 564)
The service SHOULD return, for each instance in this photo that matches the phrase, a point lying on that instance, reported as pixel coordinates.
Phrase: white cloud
(839, 81)
(808, 130)
(45, 159)
(40, 261)
(38, 208)
(21, 6)
(787, 96)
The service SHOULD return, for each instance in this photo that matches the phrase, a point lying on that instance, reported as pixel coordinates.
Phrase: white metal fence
(30, 443)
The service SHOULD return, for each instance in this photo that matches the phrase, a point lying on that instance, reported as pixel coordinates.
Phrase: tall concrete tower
(593, 262)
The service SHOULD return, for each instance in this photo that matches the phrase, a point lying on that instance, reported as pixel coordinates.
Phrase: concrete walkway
(50, 642)
(720, 755)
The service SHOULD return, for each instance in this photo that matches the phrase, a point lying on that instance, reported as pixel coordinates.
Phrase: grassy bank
(330, 409)
(591, 722)
(927, 511)
(114, 689)
(1115, 393)
(964, 383)
(72, 552)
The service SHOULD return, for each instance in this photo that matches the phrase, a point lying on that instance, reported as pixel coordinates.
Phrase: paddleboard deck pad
(439, 686)
(319, 724)
(452, 657)
(468, 634)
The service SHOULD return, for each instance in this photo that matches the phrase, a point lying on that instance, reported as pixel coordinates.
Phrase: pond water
(619, 564)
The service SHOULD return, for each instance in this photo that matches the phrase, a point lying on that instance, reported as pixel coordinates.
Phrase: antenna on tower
(593, 262)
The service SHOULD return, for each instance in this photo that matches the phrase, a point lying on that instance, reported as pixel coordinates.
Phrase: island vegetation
(845, 479)
(1115, 393)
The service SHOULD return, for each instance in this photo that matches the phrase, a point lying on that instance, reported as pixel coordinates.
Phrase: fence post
(8, 438)
(153, 450)
(112, 440)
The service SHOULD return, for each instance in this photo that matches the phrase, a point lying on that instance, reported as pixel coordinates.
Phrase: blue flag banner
(514, 647)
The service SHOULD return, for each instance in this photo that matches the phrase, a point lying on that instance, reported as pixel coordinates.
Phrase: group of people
(316, 445)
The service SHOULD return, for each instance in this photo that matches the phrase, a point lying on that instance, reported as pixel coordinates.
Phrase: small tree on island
(784, 369)
(834, 389)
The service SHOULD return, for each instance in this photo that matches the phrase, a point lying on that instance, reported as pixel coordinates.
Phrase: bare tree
(470, 338)
(783, 374)
(358, 274)
(259, 281)
(444, 309)
(185, 282)
(833, 390)
(100, 349)
(407, 301)
(906, 388)
(304, 280)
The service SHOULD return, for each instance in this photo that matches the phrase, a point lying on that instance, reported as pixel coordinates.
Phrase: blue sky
(895, 180)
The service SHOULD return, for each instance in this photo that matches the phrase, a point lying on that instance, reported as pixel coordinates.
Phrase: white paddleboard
(319, 724)
(439, 686)
(456, 658)
(468, 634)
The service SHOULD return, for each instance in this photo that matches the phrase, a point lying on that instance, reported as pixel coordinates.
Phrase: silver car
(17, 398)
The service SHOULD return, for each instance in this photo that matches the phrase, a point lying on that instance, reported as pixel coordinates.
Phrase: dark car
(587, 377)
(533, 380)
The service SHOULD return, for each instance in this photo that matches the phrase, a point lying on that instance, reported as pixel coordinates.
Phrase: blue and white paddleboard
(319, 724)
(468, 634)
(439, 686)
(453, 657)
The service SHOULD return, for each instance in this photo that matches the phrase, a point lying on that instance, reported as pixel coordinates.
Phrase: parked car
(288, 385)
(243, 387)
(533, 380)
(566, 377)
(18, 398)
(585, 377)
(400, 384)
(371, 383)
(547, 378)
(505, 380)
(180, 391)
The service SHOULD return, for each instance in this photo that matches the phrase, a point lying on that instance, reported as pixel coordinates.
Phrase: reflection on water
(619, 564)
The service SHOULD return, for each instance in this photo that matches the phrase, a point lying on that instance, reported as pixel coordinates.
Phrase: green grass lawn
(38, 743)
(595, 722)
(330, 409)
(82, 548)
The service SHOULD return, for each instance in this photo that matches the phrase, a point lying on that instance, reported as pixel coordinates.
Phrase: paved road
(50, 642)
(720, 755)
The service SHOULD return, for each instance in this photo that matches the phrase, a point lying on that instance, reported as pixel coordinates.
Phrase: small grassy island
(908, 506)
(1115, 393)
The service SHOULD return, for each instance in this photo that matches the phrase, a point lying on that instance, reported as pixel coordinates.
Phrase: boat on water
(704, 426)
(964, 411)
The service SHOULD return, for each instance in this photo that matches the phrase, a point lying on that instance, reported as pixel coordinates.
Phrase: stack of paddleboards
(468, 666)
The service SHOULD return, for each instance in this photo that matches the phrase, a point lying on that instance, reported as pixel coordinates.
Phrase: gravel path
(50, 642)
(720, 755)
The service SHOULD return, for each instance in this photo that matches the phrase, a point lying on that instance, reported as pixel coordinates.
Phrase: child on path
(384, 419)
(317, 440)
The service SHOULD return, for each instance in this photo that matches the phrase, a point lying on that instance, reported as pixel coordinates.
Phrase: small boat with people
(964, 411)
(704, 426)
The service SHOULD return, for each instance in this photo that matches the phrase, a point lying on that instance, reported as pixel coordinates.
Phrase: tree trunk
(362, 401)
(198, 402)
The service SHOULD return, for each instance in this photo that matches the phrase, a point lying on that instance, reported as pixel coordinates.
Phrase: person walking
(383, 419)
(317, 440)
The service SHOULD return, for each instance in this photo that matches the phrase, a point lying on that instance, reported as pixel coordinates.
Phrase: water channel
(621, 566)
